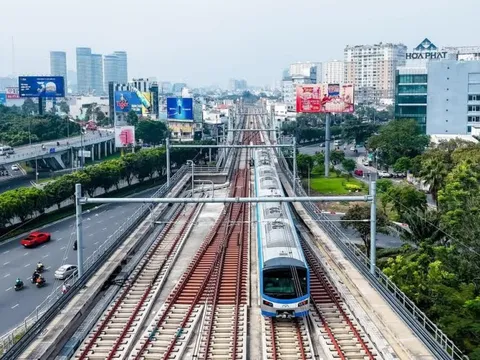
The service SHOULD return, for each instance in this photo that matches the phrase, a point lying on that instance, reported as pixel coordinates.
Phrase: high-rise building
(371, 68)
(84, 70)
(58, 64)
(299, 74)
(97, 74)
(333, 72)
(307, 69)
(110, 63)
(122, 66)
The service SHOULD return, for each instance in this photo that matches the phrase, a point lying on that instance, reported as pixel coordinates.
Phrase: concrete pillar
(112, 143)
(93, 153)
(99, 151)
(106, 148)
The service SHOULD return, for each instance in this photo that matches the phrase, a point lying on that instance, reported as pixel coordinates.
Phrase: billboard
(3, 98)
(180, 108)
(325, 98)
(12, 93)
(124, 136)
(41, 86)
(140, 102)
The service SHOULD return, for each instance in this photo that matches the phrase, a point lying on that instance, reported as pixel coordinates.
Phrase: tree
(423, 227)
(434, 173)
(29, 107)
(64, 107)
(132, 118)
(151, 132)
(336, 157)
(398, 138)
(304, 164)
(349, 165)
(358, 131)
(402, 165)
(357, 217)
(405, 198)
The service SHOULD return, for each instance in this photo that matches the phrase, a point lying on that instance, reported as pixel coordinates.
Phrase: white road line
(63, 248)
(48, 268)
(8, 262)
(7, 275)
(104, 229)
(45, 256)
(65, 258)
(59, 239)
(91, 235)
(86, 227)
(27, 265)
(43, 246)
(111, 217)
(5, 252)
(10, 288)
(95, 243)
(25, 254)
(14, 306)
(99, 221)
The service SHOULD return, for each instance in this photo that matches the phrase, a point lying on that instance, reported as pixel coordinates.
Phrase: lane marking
(59, 239)
(48, 268)
(14, 306)
(27, 265)
(111, 217)
(99, 221)
(86, 227)
(45, 256)
(10, 288)
(5, 252)
(104, 229)
(7, 275)
(63, 248)
(44, 246)
(90, 234)
(95, 243)
(8, 262)
(25, 254)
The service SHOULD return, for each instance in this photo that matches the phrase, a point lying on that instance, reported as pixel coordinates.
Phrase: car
(15, 167)
(36, 238)
(384, 174)
(352, 148)
(358, 172)
(399, 175)
(65, 271)
(366, 163)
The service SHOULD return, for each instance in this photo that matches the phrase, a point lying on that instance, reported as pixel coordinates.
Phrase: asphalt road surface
(16, 261)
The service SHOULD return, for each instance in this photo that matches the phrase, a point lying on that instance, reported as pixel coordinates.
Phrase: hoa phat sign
(426, 50)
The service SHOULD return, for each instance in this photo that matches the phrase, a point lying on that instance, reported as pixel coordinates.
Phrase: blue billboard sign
(3, 98)
(126, 101)
(41, 86)
(180, 108)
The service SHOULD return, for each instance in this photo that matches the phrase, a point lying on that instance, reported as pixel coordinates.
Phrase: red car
(358, 172)
(36, 238)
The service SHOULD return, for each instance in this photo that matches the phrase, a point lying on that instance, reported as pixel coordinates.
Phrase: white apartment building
(333, 72)
(371, 68)
(299, 73)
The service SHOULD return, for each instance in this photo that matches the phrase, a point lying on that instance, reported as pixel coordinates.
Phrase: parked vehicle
(384, 174)
(337, 142)
(15, 167)
(36, 238)
(65, 271)
(366, 162)
(399, 175)
(358, 172)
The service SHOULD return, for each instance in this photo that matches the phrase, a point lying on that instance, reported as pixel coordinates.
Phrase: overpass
(56, 154)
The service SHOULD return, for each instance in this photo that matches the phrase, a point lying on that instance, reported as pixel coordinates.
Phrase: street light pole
(193, 180)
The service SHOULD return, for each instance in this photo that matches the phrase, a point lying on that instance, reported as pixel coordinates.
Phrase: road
(15, 261)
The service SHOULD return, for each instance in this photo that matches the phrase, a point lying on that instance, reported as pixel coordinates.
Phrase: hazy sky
(210, 41)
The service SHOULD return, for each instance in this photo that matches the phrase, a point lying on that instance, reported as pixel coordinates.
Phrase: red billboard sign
(325, 98)
(12, 93)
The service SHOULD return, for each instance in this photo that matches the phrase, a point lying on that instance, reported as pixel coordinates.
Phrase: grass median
(336, 185)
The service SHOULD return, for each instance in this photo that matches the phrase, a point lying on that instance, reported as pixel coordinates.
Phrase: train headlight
(303, 303)
(268, 303)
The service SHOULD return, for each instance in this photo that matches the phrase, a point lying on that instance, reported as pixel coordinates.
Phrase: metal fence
(91, 264)
(431, 335)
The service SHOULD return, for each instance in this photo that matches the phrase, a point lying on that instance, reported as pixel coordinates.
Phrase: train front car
(284, 276)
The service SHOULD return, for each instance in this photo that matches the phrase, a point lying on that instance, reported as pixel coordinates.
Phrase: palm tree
(433, 173)
(423, 226)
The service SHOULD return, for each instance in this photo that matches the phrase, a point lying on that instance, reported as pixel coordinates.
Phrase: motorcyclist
(35, 276)
(18, 283)
(40, 280)
(75, 245)
(39, 266)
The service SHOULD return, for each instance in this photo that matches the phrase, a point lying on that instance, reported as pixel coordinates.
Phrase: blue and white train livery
(283, 271)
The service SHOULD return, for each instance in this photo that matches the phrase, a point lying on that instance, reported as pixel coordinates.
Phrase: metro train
(283, 271)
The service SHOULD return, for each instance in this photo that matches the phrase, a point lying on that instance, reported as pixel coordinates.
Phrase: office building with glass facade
(411, 94)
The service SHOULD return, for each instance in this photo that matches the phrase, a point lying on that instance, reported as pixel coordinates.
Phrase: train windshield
(280, 283)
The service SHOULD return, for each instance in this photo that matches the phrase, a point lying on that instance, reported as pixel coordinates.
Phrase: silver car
(65, 271)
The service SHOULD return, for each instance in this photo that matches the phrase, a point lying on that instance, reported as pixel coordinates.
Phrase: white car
(15, 168)
(384, 174)
(65, 271)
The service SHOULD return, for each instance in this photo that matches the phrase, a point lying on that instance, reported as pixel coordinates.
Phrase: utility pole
(167, 144)
(327, 145)
(373, 226)
(294, 165)
(78, 206)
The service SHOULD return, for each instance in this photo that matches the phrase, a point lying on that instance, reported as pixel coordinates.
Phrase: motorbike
(75, 246)
(18, 286)
(40, 268)
(33, 279)
(41, 283)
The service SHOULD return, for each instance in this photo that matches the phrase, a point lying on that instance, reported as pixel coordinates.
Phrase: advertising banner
(12, 93)
(124, 136)
(3, 98)
(125, 101)
(325, 98)
(180, 108)
(41, 86)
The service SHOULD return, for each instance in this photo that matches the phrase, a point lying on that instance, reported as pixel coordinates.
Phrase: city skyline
(209, 47)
